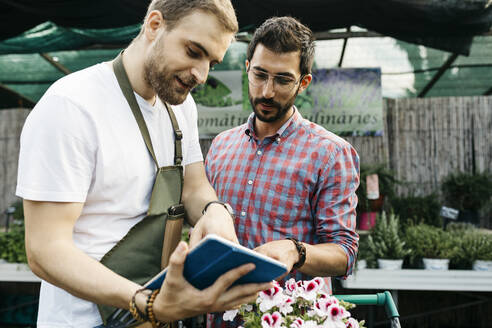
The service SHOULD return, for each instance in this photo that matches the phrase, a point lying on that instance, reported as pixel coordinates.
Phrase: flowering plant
(300, 304)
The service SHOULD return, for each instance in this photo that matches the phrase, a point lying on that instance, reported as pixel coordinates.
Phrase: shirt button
(259, 152)
(250, 182)
(278, 140)
(243, 213)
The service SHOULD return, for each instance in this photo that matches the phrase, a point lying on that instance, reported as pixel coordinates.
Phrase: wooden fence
(11, 122)
(424, 140)
(430, 138)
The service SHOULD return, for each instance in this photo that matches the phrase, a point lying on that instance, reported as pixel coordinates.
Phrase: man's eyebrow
(202, 48)
(287, 74)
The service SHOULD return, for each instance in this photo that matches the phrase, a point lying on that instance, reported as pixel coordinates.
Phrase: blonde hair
(173, 10)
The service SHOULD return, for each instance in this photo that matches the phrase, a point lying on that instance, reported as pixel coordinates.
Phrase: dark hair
(285, 34)
(173, 10)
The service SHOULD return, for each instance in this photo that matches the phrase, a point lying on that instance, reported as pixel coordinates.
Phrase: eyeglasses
(281, 83)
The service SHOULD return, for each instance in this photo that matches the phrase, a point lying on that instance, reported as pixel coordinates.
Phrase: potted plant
(483, 255)
(430, 244)
(474, 251)
(298, 304)
(468, 193)
(368, 208)
(385, 243)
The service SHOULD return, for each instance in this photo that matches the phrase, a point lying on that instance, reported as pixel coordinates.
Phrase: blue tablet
(214, 256)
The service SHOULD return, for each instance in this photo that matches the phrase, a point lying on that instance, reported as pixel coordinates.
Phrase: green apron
(145, 249)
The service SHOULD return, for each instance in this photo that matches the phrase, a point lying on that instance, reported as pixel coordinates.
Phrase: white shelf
(418, 279)
(407, 279)
(17, 272)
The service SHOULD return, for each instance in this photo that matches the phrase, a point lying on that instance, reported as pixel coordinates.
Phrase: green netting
(463, 82)
(406, 68)
(48, 37)
(31, 75)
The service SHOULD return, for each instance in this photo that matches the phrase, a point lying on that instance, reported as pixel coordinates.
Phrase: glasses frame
(273, 76)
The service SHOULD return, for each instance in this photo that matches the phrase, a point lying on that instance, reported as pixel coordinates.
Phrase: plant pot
(390, 264)
(361, 264)
(436, 264)
(367, 220)
(479, 265)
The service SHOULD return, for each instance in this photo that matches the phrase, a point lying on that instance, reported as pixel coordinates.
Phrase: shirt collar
(286, 129)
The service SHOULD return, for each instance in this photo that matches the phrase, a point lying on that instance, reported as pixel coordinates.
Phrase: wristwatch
(226, 206)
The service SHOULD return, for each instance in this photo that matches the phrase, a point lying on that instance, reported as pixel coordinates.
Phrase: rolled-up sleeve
(335, 202)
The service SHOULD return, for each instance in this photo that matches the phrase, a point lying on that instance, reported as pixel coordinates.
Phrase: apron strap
(126, 88)
(178, 135)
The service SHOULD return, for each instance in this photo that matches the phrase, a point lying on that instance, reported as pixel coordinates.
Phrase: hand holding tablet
(214, 256)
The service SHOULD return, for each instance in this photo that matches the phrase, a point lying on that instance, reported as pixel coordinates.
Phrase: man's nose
(200, 72)
(268, 88)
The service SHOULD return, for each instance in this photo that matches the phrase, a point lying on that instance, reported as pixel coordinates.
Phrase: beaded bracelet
(135, 311)
(149, 309)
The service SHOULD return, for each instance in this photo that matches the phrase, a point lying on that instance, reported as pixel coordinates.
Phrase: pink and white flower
(300, 286)
(310, 324)
(276, 306)
(330, 323)
(247, 307)
(311, 288)
(337, 312)
(273, 320)
(230, 315)
(286, 306)
(320, 281)
(322, 305)
(290, 287)
(352, 323)
(297, 323)
(269, 298)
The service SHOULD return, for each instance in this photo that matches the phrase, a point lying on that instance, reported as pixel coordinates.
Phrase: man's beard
(282, 109)
(163, 81)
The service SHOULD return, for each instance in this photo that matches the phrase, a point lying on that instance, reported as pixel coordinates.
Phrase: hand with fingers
(216, 220)
(178, 299)
(281, 250)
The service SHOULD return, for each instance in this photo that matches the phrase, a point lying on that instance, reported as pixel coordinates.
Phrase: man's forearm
(324, 260)
(195, 200)
(53, 256)
(67, 267)
(197, 192)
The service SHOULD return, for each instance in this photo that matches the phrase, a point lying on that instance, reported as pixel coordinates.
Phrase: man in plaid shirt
(284, 176)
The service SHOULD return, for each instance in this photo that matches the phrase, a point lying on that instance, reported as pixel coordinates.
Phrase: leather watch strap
(226, 206)
(301, 249)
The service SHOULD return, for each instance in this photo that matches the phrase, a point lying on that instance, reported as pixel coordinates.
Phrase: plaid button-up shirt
(298, 183)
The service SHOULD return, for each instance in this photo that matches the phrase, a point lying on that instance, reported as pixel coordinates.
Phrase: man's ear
(306, 80)
(153, 24)
(246, 63)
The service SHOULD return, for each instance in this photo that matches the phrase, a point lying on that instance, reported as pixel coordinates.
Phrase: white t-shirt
(81, 143)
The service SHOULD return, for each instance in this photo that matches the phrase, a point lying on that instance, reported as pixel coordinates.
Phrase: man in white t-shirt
(86, 175)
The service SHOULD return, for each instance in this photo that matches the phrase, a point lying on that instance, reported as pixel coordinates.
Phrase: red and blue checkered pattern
(298, 183)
